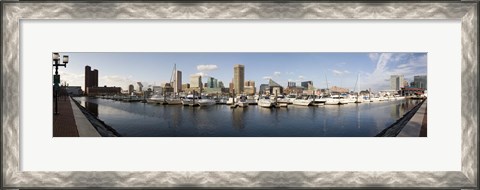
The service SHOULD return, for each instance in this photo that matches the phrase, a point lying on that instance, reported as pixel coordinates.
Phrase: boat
(156, 99)
(291, 97)
(302, 101)
(188, 100)
(252, 100)
(281, 99)
(230, 101)
(265, 102)
(332, 101)
(242, 101)
(203, 101)
(340, 99)
(173, 101)
(317, 100)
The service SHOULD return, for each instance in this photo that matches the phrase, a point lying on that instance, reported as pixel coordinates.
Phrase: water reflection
(139, 119)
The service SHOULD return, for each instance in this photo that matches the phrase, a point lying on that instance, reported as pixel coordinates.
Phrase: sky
(348, 70)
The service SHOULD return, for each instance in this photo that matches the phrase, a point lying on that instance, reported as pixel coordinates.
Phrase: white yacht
(265, 102)
(173, 101)
(242, 101)
(156, 99)
(291, 97)
(332, 101)
(302, 101)
(206, 102)
(188, 100)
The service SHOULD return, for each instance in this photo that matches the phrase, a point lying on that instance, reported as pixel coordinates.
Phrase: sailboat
(358, 98)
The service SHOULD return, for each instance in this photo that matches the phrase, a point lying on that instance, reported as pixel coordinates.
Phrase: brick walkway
(64, 123)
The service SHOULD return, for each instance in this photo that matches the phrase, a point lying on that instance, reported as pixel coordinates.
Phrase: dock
(412, 124)
(71, 122)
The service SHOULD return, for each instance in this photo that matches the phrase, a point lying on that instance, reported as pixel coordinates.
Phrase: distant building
(405, 83)
(157, 89)
(292, 84)
(396, 82)
(131, 88)
(294, 90)
(177, 83)
(74, 90)
(103, 91)
(420, 81)
(275, 88)
(306, 84)
(220, 84)
(230, 87)
(215, 83)
(212, 83)
(185, 86)
(196, 82)
(336, 89)
(250, 88)
(139, 87)
(263, 89)
(238, 78)
(91, 78)
(412, 91)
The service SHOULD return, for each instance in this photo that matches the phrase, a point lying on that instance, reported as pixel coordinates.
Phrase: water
(148, 120)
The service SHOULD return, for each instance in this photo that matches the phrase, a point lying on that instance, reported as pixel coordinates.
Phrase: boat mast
(173, 77)
(327, 85)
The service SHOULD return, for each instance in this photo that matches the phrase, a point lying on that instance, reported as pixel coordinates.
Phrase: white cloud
(202, 74)
(301, 77)
(207, 67)
(387, 64)
(337, 72)
(118, 81)
(276, 73)
(374, 56)
(72, 79)
(267, 77)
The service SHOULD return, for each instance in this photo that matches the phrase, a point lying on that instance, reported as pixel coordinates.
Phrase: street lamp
(56, 77)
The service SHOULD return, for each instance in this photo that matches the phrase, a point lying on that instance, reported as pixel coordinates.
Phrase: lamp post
(56, 77)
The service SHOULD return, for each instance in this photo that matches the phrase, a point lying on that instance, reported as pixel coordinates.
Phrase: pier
(412, 124)
(75, 121)
(71, 122)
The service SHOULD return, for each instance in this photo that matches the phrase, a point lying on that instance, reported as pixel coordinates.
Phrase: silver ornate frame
(13, 12)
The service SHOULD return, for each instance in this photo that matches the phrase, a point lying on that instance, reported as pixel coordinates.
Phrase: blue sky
(340, 69)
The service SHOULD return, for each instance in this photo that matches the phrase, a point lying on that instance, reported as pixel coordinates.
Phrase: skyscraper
(238, 78)
(196, 81)
(292, 84)
(91, 78)
(420, 81)
(177, 83)
(396, 82)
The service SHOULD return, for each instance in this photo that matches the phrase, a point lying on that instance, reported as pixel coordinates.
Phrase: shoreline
(398, 126)
(102, 128)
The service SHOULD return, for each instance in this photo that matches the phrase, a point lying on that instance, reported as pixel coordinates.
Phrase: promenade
(417, 126)
(71, 122)
(412, 124)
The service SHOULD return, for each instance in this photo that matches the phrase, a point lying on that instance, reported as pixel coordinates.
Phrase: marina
(135, 119)
(267, 95)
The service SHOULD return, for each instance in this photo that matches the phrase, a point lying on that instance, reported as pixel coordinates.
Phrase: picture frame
(13, 177)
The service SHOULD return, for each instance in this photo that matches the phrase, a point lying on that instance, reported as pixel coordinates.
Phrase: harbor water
(136, 119)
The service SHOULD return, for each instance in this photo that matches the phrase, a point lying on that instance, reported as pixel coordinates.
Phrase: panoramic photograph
(239, 94)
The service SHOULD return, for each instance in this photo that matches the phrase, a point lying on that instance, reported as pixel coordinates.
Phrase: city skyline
(341, 69)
